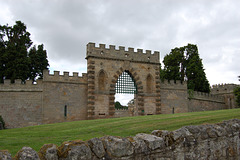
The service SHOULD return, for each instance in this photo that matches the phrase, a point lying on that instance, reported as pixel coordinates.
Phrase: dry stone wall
(212, 141)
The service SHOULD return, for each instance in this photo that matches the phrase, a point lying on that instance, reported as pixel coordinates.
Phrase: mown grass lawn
(35, 136)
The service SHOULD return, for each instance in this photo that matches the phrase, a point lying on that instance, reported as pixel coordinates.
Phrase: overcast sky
(66, 26)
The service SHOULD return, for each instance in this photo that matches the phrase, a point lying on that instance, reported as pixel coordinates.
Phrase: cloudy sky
(66, 26)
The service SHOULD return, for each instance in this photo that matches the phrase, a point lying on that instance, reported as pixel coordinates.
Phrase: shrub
(2, 121)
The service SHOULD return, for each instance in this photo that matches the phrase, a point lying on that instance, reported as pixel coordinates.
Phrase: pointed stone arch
(139, 88)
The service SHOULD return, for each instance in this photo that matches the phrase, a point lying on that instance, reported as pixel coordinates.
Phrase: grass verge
(35, 136)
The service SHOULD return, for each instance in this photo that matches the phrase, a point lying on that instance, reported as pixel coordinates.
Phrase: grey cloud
(65, 27)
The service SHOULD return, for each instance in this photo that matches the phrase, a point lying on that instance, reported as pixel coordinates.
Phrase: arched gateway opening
(126, 94)
(118, 71)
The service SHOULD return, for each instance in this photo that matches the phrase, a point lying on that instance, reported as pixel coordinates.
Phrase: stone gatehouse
(60, 98)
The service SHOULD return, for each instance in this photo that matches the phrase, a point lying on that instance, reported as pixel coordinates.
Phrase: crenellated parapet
(19, 86)
(223, 88)
(65, 78)
(121, 53)
(178, 85)
(206, 97)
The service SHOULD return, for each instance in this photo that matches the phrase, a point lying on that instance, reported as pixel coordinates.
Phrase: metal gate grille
(126, 84)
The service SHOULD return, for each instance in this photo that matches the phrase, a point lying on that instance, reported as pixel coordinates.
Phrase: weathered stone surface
(140, 147)
(5, 155)
(166, 135)
(117, 147)
(181, 133)
(27, 153)
(48, 152)
(75, 150)
(97, 147)
(153, 142)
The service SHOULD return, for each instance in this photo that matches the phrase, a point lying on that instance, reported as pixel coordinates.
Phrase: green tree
(2, 56)
(184, 63)
(196, 77)
(15, 62)
(39, 62)
(237, 94)
(173, 65)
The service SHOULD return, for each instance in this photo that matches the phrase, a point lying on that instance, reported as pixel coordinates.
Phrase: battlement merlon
(121, 53)
(178, 85)
(223, 88)
(56, 77)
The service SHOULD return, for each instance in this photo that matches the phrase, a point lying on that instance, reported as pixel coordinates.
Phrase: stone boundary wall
(122, 113)
(27, 104)
(211, 141)
(206, 97)
(174, 97)
(21, 104)
(200, 101)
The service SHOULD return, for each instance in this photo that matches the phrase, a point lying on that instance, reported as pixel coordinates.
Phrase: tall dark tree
(2, 55)
(196, 77)
(39, 62)
(173, 65)
(17, 43)
(184, 63)
(15, 62)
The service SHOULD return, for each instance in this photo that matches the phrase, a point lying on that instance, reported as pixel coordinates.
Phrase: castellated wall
(213, 141)
(21, 104)
(64, 97)
(56, 98)
(174, 97)
(199, 101)
(227, 91)
(60, 98)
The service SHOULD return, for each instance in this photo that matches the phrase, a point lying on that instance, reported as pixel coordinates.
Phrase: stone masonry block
(91, 67)
(91, 102)
(91, 72)
(91, 77)
(111, 103)
(91, 97)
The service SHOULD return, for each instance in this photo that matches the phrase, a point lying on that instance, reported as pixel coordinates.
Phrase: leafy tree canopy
(184, 63)
(18, 60)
